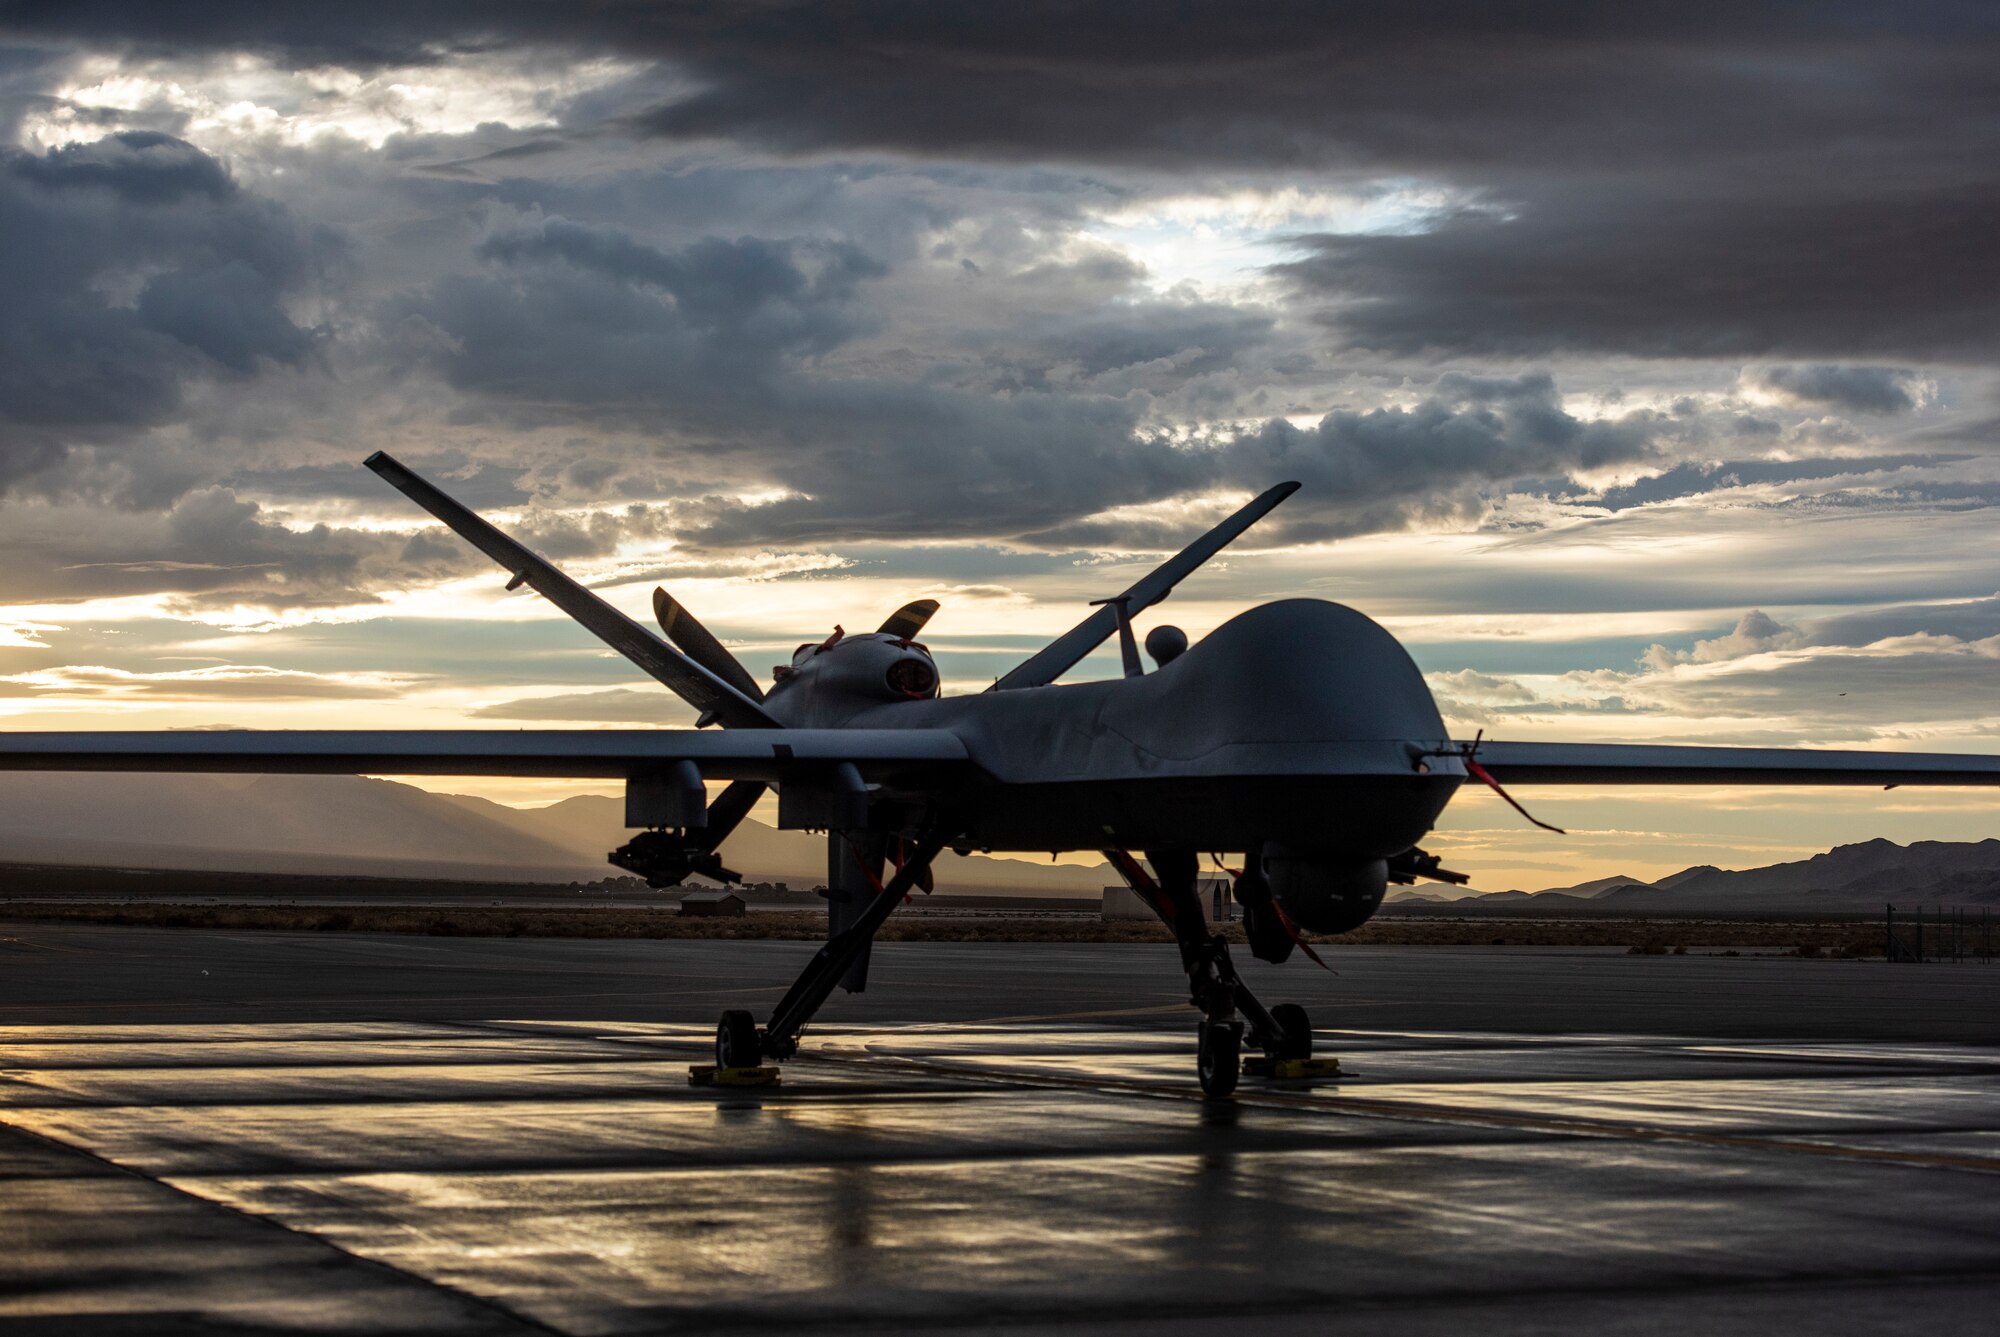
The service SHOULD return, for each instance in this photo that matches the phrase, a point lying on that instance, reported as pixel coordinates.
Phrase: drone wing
(770, 755)
(1062, 654)
(1650, 764)
(695, 684)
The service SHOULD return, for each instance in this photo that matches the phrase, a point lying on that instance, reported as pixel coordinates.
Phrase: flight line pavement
(329, 1132)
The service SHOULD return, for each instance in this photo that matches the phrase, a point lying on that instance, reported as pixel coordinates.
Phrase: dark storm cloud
(25, 74)
(883, 460)
(1373, 82)
(214, 549)
(572, 317)
(209, 548)
(1699, 179)
(230, 312)
(1032, 467)
(723, 339)
(131, 267)
(1513, 424)
(133, 166)
(1859, 389)
(136, 166)
(1697, 479)
(1187, 338)
(1385, 468)
(750, 294)
(479, 485)
(1813, 268)
(1749, 180)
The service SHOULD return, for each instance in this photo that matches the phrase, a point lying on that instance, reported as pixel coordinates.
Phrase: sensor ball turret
(1165, 644)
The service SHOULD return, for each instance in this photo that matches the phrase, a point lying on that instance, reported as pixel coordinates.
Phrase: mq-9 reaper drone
(1298, 735)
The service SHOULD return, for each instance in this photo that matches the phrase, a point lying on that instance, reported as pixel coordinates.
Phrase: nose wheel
(1218, 1046)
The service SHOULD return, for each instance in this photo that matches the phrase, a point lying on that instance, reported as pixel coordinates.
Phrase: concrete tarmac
(330, 1132)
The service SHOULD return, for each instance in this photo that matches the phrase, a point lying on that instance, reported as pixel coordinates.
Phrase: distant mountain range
(346, 825)
(1850, 877)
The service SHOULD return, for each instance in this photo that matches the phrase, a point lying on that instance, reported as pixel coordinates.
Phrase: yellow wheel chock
(707, 1074)
(1291, 1069)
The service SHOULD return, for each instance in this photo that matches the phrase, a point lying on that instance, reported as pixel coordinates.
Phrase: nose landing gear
(741, 1046)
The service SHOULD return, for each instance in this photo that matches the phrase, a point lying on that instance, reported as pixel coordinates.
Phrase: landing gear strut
(1282, 1032)
(738, 1041)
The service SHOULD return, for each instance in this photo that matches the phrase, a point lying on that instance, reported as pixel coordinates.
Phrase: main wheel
(736, 1041)
(1216, 1060)
(1297, 1026)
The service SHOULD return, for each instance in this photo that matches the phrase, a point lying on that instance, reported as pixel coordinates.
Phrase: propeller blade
(699, 644)
(907, 621)
(698, 686)
(1062, 654)
(728, 810)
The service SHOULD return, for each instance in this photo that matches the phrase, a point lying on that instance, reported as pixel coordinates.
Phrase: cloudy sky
(1639, 361)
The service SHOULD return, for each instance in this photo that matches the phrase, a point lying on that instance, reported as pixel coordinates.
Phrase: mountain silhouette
(1848, 877)
(349, 825)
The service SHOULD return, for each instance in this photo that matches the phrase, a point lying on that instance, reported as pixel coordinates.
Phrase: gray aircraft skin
(1302, 723)
(1298, 737)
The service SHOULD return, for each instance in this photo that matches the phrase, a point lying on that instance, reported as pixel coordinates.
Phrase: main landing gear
(740, 1043)
(1230, 1013)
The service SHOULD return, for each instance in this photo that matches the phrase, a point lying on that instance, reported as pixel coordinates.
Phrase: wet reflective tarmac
(536, 1174)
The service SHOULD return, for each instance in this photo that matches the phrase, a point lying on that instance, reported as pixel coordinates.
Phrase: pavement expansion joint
(366, 1265)
(1287, 1096)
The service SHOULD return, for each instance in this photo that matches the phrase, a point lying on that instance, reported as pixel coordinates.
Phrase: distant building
(720, 901)
(1216, 902)
(1124, 903)
(1218, 894)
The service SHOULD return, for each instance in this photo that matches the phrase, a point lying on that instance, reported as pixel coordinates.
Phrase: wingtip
(379, 459)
